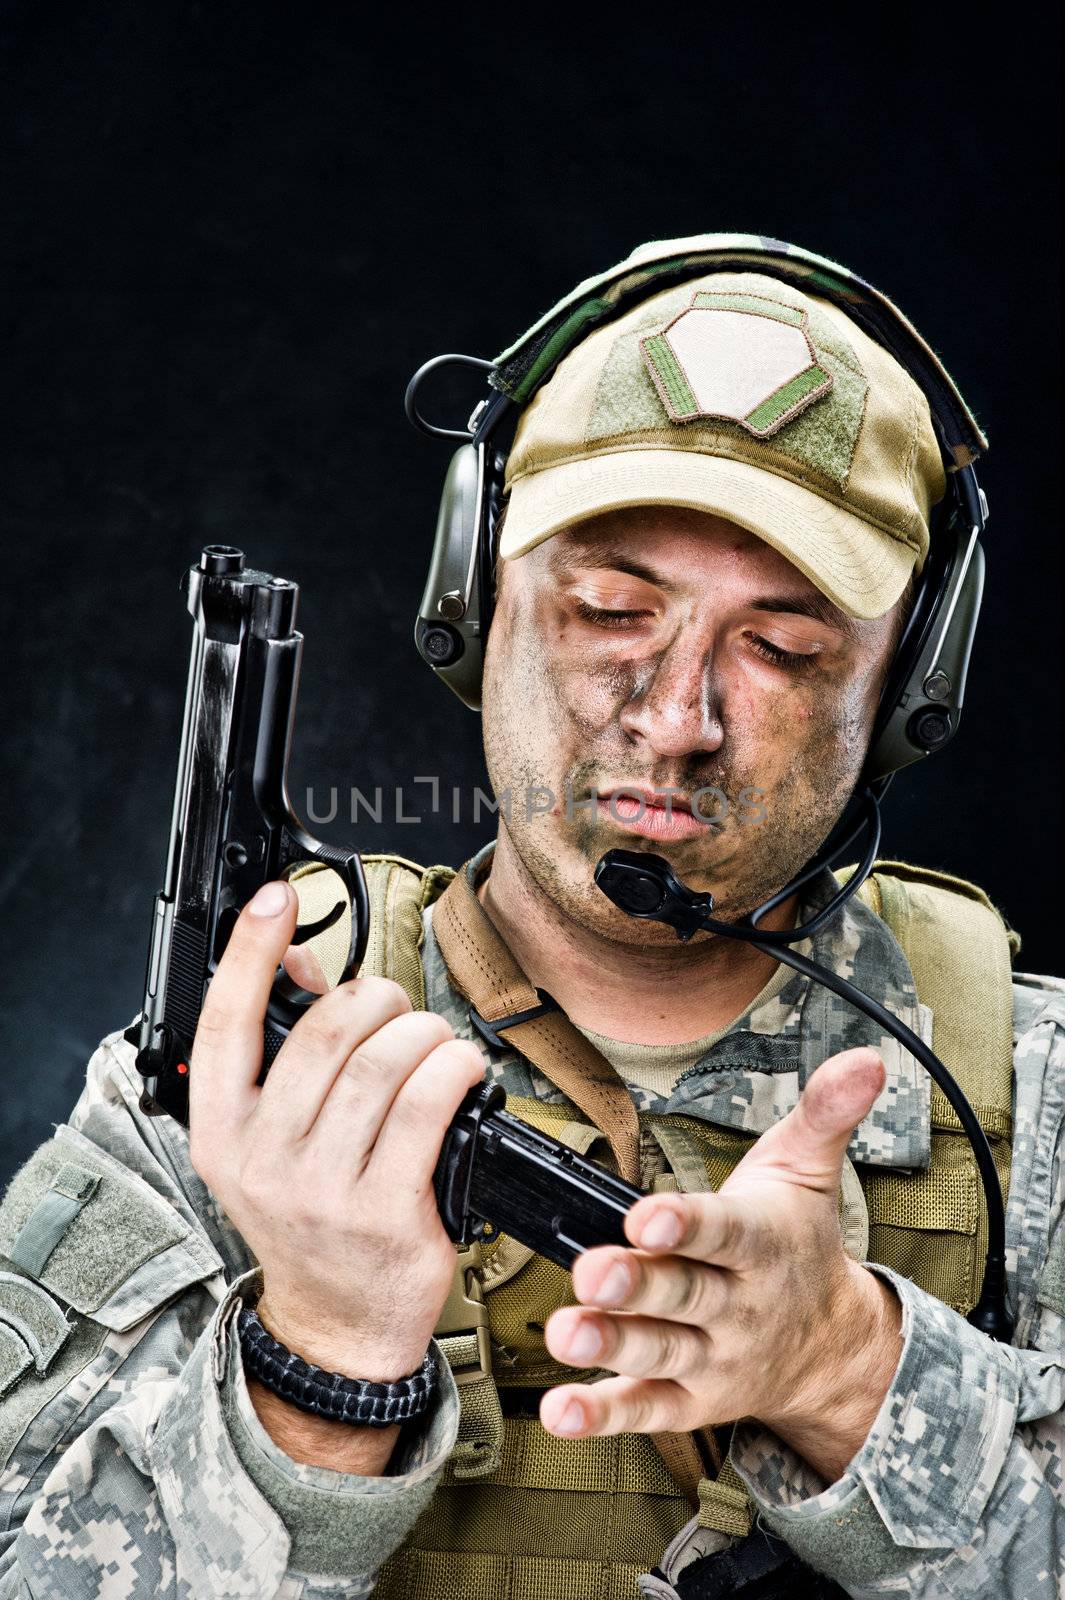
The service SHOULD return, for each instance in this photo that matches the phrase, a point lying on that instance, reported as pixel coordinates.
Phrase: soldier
(707, 559)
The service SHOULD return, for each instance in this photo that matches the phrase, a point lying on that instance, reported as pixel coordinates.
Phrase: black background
(231, 232)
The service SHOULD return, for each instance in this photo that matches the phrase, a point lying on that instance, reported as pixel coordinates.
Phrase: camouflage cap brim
(829, 545)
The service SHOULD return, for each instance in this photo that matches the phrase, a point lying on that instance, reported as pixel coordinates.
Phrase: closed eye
(601, 617)
(779, 657)
(606, 619)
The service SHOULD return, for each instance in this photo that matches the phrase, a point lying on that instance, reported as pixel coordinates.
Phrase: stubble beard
(741, 863)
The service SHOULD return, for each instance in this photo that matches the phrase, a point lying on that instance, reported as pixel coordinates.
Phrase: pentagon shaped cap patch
(742, 357)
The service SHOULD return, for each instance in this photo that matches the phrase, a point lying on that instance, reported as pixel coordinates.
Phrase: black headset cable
(646, 886)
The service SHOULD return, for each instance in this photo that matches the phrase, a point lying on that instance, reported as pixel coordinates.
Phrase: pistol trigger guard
(311, 930)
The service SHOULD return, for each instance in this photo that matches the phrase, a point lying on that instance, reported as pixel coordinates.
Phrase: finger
(638, 1347)
(408, 1145)
(228, 1048)
(809, 1144)
(672, 1287)
(304, 968)
(615, 1405)
(719, 1229)
(362, 1093)
(352, 1029)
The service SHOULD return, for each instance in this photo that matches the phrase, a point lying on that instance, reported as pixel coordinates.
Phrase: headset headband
(922, 700)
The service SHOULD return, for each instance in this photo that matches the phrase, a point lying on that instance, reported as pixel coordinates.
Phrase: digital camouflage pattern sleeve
(959, 1488)
(132, 1462)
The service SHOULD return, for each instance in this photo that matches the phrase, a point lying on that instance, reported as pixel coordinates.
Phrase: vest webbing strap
(484, 970)
(478, 1447)
(724, 1503)
(399, 891)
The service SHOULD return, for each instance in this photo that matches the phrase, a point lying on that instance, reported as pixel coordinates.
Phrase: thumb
(811, 1141)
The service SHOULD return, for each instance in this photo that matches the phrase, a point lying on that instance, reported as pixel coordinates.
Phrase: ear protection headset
(920, 706)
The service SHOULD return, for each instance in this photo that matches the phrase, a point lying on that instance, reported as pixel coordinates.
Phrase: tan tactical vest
(522, 1515)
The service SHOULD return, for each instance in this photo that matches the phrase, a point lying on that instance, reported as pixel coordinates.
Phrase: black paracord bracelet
(330, 1394)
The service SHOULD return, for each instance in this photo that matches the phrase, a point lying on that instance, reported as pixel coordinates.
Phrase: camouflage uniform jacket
(136, 1467)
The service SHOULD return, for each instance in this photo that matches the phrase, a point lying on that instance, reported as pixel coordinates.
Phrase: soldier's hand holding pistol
(327, 1169)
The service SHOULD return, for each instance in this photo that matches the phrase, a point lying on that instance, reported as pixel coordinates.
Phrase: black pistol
(233, 829)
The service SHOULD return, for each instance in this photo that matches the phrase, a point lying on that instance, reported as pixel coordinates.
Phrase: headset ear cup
(448, 632)
(922, 706)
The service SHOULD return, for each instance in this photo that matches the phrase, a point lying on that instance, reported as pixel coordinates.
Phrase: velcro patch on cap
(742, 357)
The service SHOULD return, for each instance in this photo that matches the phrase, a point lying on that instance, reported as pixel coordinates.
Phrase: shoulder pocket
(33, 1328)
(97, 1237)
(41, 1352)
(87, 1250)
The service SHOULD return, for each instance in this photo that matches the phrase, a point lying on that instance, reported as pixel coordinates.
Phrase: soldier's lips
(651, 820)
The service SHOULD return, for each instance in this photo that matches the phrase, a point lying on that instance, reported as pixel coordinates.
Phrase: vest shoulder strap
(399, 891)
(484, 969)
(960, 950)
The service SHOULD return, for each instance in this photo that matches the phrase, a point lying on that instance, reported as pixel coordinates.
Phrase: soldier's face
(675, 654)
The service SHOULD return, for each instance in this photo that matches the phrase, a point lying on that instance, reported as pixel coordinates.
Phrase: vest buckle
(462, 1329)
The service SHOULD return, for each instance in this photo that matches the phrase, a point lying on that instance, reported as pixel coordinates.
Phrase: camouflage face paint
(675, 698)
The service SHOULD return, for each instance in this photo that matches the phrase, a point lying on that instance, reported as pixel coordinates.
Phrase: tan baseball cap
(740, 395)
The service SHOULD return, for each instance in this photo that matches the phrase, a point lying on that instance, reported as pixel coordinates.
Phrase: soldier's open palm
(736, 1304)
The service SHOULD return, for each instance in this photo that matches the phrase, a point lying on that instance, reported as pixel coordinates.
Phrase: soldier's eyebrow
(600, 552)
(816, 605)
